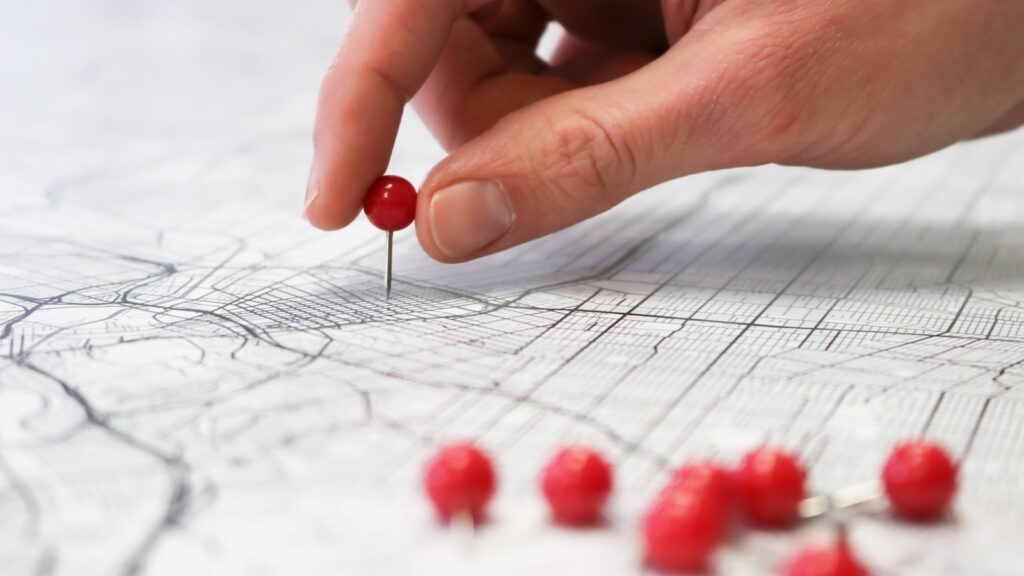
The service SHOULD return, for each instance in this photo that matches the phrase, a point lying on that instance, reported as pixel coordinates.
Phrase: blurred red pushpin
(460, 480)
(683, 529)
(920, 480)
(390, 204)
(706, 476)
(576, 484)
(833, 559)
(770, 485)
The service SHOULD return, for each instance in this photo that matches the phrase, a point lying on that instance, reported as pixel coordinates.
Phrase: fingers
(539, 170)
(680, 14)
(389, 51)
(1009, 121)
(720, 100)
(560, 161)
(749, 83)
(623, 25)
(489, 69)
(586, 64)
(485, 72)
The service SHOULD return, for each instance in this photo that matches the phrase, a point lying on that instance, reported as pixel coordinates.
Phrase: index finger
(387, 54)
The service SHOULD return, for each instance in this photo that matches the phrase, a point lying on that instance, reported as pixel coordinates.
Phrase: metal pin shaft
(387, 270)
(845, 498)
(465, 525)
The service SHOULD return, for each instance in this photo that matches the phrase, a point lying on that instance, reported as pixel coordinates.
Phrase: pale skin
(644, 91)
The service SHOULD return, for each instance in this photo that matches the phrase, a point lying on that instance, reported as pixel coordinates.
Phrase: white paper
(192, 381)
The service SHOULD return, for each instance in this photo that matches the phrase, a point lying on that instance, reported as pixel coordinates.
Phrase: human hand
(644, 91)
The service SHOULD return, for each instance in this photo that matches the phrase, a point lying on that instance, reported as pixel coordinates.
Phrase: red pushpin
(920, 480)
(460, 480)
(706, 476)
(834, 559)
(770, 486)
(390, 204)
(576, 484)
(683, 529)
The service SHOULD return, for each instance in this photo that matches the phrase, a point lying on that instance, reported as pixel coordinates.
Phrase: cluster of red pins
(460, 480)
(691, 518)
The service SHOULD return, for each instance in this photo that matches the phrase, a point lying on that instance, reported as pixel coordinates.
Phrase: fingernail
(467, 216)
(312, 189)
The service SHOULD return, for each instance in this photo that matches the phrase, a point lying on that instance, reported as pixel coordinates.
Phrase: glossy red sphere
(770, 486)
(576, 484)
(460, 479)
(683, 529)
(390, 203)
(920, 480)
(835, 559)
(706, 476)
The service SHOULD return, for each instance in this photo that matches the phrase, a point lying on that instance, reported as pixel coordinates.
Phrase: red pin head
(683, 529)
(770, 485)
(576, 484)
(390, 203)
(705, 476)
(835, 559)
(460, 479)
(920, 480)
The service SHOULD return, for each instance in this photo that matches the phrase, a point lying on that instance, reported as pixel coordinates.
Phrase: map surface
(193, 381)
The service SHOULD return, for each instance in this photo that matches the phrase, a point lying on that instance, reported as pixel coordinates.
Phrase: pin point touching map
(193, 381)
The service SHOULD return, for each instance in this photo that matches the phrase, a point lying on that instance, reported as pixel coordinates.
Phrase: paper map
(193, 381)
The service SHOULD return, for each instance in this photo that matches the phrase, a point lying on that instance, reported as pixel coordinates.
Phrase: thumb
(576, 154)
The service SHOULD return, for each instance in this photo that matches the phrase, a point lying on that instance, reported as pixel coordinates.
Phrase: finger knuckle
(762, 93)
(584, 161)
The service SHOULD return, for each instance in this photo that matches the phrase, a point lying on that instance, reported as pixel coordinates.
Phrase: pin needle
(848, 497)
(390, 204)
(465, 524)
(387, 266)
